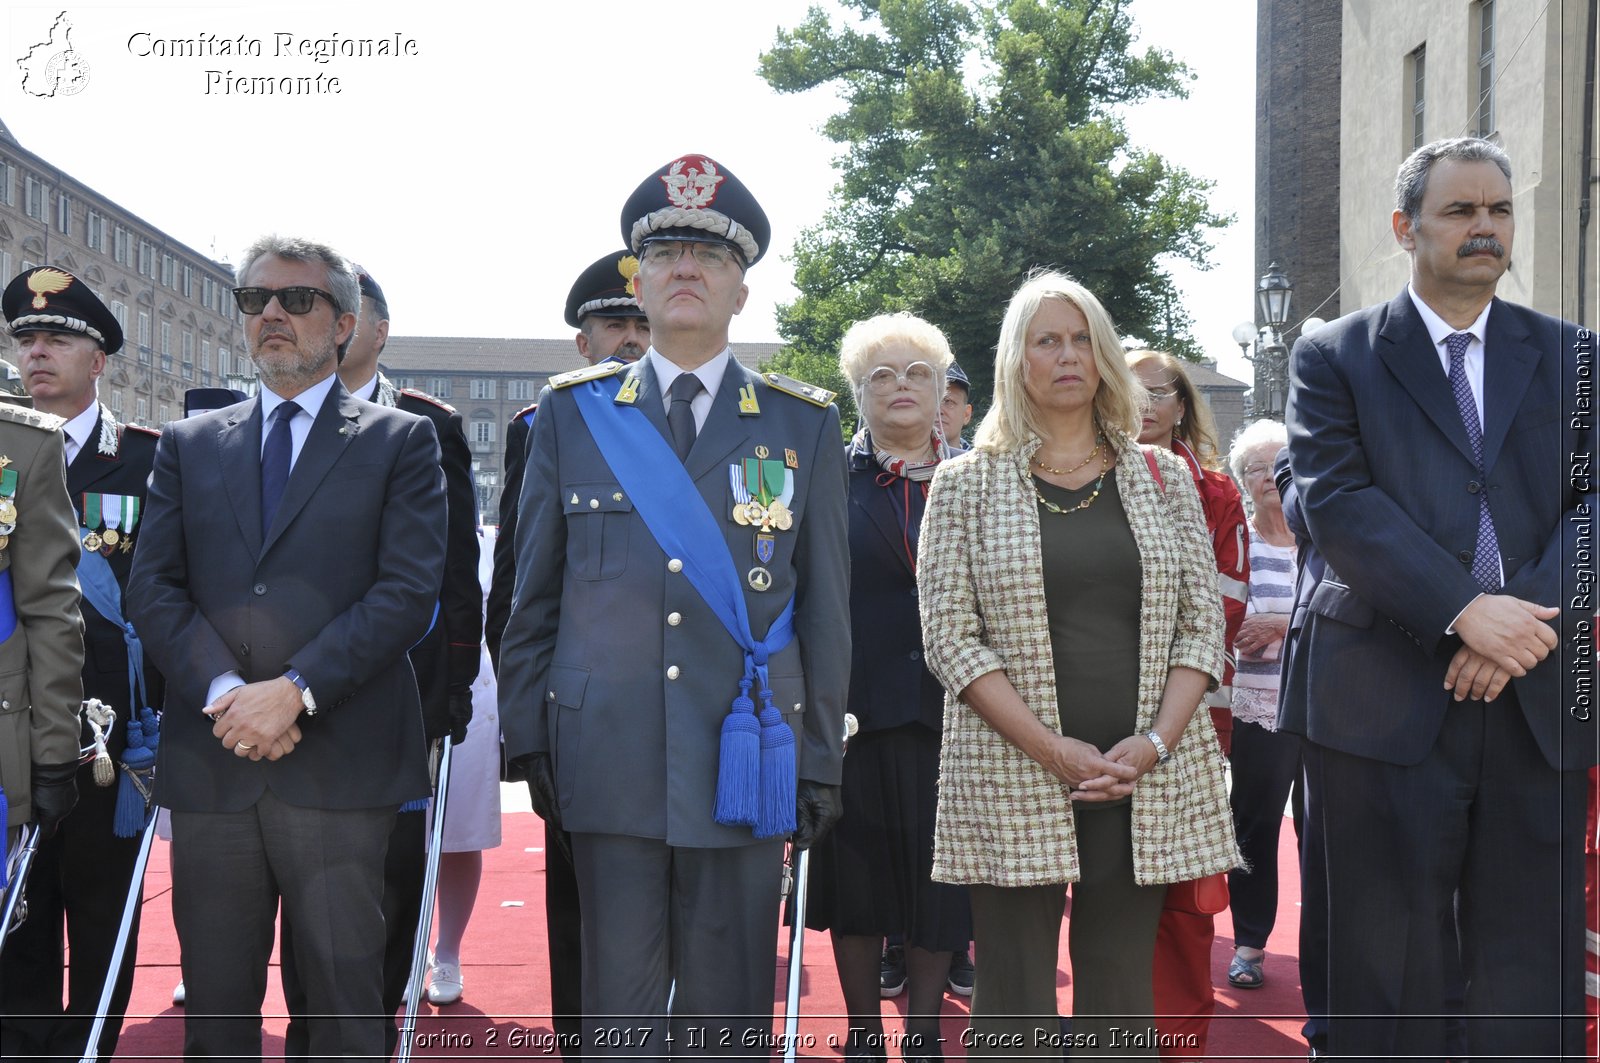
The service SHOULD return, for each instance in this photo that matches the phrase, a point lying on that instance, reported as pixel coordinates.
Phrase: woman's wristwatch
(1163, 754)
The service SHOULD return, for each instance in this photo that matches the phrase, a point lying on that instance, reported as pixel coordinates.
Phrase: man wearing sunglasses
(706, 502)
(291, 556)
(445, 661)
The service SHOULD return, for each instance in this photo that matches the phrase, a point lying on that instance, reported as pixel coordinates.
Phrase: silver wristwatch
(1163, 754)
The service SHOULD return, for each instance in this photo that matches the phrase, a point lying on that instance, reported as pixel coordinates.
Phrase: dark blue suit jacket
(340, 587)
(1390, 491)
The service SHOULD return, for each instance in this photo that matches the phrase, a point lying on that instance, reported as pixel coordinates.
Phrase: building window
(169, 271)
(147, 259)
(205, 357)
(120, 312)
(188, 355)
(224, 361)
(144, 336)
(94, 231)
(5, 264)
(520, 390)
(122, 246)
(8, 195)
(33, 197)
(64, 213)
(1484, 119)
(116, 403)
(141, 410)
(441, 387)
(165, 413)
(482, 432)
(188, 282)
(1416, 75)
(482, 389)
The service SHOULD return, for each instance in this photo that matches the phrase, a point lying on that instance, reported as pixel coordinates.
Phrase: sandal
(1245, 973)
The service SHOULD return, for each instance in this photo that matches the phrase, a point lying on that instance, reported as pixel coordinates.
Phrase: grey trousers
(229, 872)
(1016, 933)
(699, 924)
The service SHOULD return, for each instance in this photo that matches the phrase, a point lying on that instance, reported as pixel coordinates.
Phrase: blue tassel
(420, 804)
(138, 759)
(5, 814)
(778, 783)
(738, 773)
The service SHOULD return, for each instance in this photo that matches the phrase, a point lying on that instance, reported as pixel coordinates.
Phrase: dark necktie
(276, 457)
(1486, 557)
(680, 417)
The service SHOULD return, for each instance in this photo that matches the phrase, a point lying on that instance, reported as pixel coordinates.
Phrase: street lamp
(1270, 355)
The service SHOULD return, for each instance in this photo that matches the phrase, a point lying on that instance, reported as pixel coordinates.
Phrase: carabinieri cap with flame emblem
(605, 289)
(696, 198)
(49, 299)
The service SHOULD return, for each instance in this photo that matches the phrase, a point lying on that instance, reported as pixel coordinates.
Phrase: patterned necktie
(1486, 557)
(680, 417)
(275, 460)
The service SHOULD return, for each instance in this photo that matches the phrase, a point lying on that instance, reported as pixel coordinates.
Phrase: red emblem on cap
(692, 182)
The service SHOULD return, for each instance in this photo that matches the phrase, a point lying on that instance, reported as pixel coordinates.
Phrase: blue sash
(756, 782)
(8, 607)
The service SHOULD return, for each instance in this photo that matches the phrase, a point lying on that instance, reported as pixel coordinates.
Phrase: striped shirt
(1255, 682)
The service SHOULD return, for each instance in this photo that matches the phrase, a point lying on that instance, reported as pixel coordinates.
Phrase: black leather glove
(55, 791)
(817, 808)
(460, 716)
(541, 776)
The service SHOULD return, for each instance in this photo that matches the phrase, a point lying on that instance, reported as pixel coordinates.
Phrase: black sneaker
(892, 971)
(961, 973)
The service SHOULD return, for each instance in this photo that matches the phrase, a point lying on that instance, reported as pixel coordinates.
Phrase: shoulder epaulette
(587, 373)
(154, 433)
(526, 414)
(799, 389)
(429, 399)
(47, 422)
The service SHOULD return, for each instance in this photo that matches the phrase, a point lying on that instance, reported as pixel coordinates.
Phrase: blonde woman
(1069, 607)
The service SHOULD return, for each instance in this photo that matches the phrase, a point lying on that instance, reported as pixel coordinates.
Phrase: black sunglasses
(296, 300)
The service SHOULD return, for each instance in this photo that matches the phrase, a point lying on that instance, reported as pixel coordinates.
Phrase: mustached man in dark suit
(81, 877)
(291, 556)
(1434, 446)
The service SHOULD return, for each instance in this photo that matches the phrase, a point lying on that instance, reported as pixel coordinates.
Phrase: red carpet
(505, 1010)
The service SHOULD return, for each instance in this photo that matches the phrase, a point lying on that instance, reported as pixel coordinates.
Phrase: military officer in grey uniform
(648, 489)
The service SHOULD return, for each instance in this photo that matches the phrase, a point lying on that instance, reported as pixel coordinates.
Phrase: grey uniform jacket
(612, 662)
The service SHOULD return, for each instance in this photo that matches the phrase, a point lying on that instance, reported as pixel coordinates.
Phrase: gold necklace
(1068, 472)
(1105, 467)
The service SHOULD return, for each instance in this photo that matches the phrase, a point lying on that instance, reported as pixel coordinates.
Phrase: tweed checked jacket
(1003, 819)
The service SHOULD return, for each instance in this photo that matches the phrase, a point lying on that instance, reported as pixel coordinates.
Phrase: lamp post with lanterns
(1264, 347)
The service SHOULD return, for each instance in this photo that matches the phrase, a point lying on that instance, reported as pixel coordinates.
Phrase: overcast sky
(476, 177)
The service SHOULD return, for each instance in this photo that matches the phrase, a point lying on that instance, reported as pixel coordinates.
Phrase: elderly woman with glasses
(1177, 418)
(1265, 760)
(1069, 607)
(873, 873)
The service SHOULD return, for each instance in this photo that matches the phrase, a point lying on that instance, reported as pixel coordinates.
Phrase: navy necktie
(680, 416)
(276, 457)
(1486, 556)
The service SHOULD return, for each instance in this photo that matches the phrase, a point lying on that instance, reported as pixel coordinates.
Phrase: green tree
(981, 140)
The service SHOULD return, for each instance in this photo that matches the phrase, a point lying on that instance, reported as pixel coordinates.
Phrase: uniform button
(672, 672)
(674, 565)
(674, 619)
(244, 649)
(916, 655)
(594, 503)
(260, 589)
(1474, 487)
(550, 695)
(1465, 557)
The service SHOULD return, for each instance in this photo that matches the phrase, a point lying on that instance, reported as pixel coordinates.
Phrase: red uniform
(1182, 984)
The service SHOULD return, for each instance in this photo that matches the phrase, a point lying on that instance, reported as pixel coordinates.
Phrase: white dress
(472, 813)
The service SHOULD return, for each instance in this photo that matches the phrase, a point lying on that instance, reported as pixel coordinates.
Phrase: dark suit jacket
(121, 467)
(1390, 491)
(497, 610)
(340, 587)
(446, 660)
(1309, 569)
(890, 684)
(635, 750)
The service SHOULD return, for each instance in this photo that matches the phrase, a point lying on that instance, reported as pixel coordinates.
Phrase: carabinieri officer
(705, 504)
